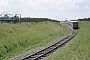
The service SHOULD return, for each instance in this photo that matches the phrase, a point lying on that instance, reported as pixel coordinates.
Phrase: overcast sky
(70, 9)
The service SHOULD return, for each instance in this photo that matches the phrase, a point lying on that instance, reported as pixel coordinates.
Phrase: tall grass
(18, 38)
(79, 48)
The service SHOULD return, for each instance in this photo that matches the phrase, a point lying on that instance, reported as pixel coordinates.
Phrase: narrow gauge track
(46, 51)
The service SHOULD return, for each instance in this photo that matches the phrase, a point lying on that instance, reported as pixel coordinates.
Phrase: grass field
(78, 48)
(18, 38)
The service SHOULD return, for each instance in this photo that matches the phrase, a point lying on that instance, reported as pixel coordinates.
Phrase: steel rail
(49, 49)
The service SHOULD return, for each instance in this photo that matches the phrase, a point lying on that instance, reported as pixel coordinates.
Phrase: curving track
(46, 51)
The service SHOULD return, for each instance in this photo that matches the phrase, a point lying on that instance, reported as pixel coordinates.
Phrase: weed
(79, 48)
(18, 38)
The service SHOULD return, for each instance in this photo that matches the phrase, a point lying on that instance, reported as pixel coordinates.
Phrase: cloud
(4, 3)
(47, 8)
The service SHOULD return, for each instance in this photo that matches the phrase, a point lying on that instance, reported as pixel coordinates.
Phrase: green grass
(18, 38)
(78, 48)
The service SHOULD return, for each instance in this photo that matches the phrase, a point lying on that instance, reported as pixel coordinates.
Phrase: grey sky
(71, 9)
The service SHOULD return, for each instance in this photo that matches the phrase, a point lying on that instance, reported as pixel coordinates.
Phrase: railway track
(49, 49)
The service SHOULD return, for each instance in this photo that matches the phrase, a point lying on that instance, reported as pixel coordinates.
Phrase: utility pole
(58, 16)
(60, 23)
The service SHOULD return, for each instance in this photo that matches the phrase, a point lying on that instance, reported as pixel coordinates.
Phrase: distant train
(74, 24)
(6, 18)
(14, 18)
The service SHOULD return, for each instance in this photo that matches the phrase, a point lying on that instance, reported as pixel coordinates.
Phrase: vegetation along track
(46, 51)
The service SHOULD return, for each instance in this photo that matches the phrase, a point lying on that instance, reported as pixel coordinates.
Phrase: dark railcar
(74, 24)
